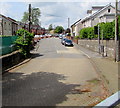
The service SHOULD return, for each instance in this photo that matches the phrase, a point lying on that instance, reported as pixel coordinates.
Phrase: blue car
(68, 43)
(63, 40)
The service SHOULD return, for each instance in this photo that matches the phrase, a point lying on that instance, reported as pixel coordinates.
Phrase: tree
(59, 29)
(67, 30)
(50, 27)
(35, 14)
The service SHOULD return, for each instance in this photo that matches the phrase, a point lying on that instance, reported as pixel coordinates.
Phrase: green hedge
(107, 31)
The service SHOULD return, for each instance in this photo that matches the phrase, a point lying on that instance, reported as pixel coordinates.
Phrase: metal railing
(111, 101)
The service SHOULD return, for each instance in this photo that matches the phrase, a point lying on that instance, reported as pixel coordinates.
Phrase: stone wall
(94, 46)
(10, 60)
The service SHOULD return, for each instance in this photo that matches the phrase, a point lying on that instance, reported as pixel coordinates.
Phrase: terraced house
(8, 26)
(97, 14)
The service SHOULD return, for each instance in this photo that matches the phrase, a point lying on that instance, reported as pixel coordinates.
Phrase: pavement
(106, 67)
(57, 76)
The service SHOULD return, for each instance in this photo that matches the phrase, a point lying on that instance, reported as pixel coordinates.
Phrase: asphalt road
(49, 78)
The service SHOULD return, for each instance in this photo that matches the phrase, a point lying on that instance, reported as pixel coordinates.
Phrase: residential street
(55, 76)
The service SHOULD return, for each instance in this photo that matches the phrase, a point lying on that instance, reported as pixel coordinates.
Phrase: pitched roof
(76, 22)
(99, 11)
(8, 18)
(12, 20)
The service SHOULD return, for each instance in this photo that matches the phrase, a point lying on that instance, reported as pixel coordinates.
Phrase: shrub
(24, 41)
(77, 37)
(90, 32)
(86, 33)
(83, 33)
(108, 30)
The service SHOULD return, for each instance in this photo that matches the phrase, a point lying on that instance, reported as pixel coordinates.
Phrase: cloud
(54, 12)
(58, 12)
(4, 8)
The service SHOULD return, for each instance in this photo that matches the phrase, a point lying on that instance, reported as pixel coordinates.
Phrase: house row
(97, 14)
(9, 26)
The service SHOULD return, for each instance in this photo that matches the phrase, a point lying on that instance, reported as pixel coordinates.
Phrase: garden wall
(94, 46)
(9, 60)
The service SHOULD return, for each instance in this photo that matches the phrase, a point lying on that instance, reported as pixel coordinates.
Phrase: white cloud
(58, 12)
(4, 8)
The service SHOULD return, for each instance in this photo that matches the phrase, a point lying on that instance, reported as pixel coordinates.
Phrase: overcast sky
(55, 12)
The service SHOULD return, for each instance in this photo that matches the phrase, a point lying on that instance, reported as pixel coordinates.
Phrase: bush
(90, 33)
(107, 31)
(24, 41)
(83, 33)
(77, 37)
(87, 33)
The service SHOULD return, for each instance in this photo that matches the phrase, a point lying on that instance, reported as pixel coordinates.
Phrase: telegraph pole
(117, 54)
(29, 17)
(68, 22)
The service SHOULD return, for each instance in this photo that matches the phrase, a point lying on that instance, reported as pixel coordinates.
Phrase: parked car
(68, 43)
(63, 40)
(36, 36)
(56, 35)
(60, 37)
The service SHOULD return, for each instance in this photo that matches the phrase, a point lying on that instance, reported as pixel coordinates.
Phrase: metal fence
(7, 44)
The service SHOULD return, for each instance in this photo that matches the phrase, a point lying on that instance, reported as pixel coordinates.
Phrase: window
(9, 26)
(5, 25)
(108, 10)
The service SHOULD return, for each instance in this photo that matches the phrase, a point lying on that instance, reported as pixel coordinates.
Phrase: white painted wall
(110, 18)
(97, 17)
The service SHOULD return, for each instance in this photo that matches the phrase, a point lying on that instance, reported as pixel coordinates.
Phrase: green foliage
(67, 30)
(35, 14)
(87, 33)
(59, 29)
(25, 17)
(90, 32)
(77, 37)
(83, 33)
(107, 31)
(24, 41)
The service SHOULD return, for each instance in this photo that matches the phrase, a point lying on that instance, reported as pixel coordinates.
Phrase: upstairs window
(108, 10)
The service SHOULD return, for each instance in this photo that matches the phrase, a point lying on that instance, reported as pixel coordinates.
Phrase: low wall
(94, 46)
(10, 60)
